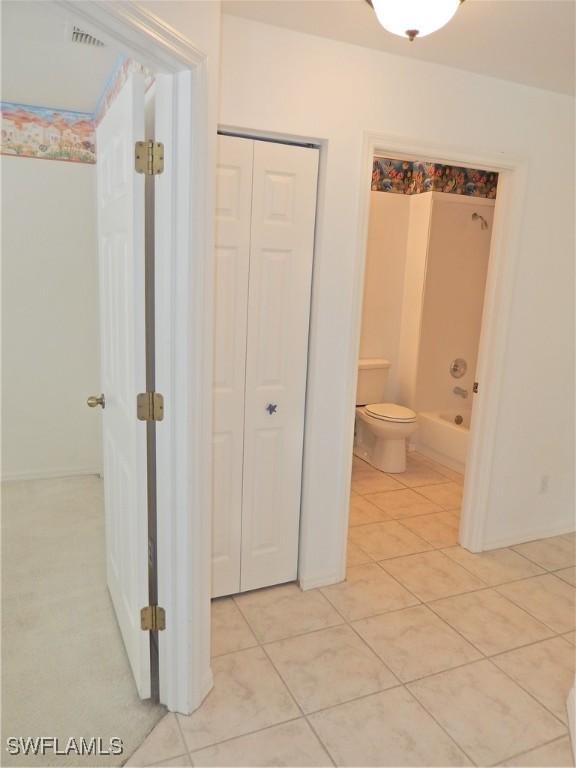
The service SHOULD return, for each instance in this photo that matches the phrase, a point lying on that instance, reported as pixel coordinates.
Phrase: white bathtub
(441, 439)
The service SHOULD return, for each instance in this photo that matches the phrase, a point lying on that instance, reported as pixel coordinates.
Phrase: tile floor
(427, 655)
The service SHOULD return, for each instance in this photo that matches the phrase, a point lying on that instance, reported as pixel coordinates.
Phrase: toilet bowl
(381, 433)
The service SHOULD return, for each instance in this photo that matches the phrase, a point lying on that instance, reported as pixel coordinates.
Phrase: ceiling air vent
(78, 36)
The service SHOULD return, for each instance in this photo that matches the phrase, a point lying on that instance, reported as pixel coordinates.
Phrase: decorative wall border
(47, 134)
(405, 177)
(58, 134)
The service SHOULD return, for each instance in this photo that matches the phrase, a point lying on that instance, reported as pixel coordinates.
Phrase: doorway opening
(178, 70)
(428, 250)
(70, 312)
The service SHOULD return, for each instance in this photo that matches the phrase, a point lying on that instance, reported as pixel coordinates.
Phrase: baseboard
(320, 581)
(532, 535)
(50, 474)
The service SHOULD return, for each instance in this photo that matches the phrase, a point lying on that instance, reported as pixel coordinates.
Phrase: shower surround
(426, 267)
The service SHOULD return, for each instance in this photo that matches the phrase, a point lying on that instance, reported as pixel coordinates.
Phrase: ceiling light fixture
(414, 18)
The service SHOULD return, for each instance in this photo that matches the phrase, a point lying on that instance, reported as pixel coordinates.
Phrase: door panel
(122, 313)
(233, 207)
(281, 251)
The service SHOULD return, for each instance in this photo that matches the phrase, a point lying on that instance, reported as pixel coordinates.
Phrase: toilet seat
(391, 412)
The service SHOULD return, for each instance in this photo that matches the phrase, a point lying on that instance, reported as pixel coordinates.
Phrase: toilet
(382, 429)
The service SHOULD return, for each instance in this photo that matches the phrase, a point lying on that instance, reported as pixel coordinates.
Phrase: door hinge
(149, 157)
(150, 406)
(475, 387)
(153, 618)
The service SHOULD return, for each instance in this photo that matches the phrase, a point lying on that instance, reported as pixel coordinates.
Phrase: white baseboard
(320, 581)
(531, 535)
(50, 474)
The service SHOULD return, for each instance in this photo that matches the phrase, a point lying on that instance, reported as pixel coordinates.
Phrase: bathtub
(440, 438)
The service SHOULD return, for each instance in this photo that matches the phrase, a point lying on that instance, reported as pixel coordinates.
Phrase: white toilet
(381, 428)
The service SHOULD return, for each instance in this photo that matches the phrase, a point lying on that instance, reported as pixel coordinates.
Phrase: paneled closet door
(233, 207)
(281, 252)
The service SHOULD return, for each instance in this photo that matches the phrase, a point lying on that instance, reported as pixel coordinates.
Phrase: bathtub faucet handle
(460, 392)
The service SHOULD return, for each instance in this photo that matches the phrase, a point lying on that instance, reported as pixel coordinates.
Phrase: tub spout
(460, 392)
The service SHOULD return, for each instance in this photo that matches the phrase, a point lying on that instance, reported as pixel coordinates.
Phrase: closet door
(281, 251)
(233, 205)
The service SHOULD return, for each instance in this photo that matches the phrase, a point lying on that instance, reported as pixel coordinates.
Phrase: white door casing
(265, 212)
(122, 320)
(232, 260)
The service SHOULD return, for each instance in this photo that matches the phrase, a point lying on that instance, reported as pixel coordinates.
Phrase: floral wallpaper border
(48, 134)
(58, 134)
(405, 177)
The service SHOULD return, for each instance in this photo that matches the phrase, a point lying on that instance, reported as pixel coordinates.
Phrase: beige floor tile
(329, 667)
(553, 553)
(432, 575)
(368, 590)
(175, 762)
(568, 575)
(356, 556)
(373, 482)
(495, 567)
(248, 695)
(386, 729)
(414, 642)
(363, 512)
(557, 754)
(451, 474)
(486, 713)
(403, 503)
(546, 670)
(448, 495)
(230, 631)
(163, 743)
(359, 464)
(419, 474)
(384, 540)
(490, 621)
(284, 611)
(440, 529)
(570, 637)
(292, 744)
(547, 598)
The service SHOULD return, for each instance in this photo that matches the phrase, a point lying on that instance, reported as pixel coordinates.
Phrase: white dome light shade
(411, 18)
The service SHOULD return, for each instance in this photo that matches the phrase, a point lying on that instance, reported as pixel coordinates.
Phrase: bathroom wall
(279, 81)
(413, 297)
(456, 268)
(384, 281)
(49, 318)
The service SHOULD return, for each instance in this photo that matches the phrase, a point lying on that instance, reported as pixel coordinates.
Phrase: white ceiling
(40, 64)
(526, 41)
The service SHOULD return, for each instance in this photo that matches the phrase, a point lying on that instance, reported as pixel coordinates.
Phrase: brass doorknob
(95, 400)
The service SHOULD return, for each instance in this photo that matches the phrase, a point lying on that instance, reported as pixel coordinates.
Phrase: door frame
(184, 245)
(500, 283)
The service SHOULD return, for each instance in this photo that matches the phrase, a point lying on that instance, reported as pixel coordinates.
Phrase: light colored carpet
(64, 669)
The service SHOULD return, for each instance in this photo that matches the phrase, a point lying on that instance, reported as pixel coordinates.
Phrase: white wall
(456, 268)
(277, 80)
(49, 319)
(384, 281)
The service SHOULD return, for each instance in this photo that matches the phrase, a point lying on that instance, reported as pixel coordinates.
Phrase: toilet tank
(372, 380)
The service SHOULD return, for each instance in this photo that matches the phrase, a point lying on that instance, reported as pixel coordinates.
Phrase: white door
(265, 214)
(232, 257)
(122, 323)
(281, 253)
